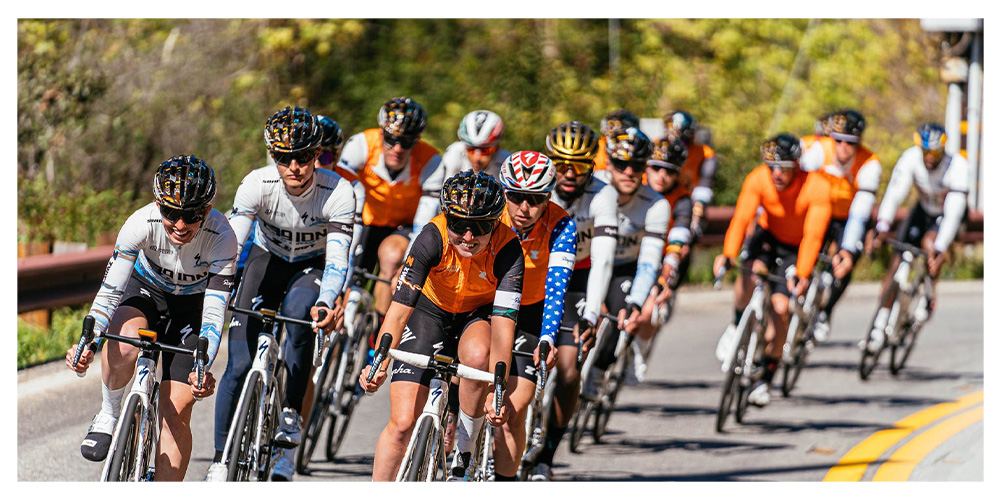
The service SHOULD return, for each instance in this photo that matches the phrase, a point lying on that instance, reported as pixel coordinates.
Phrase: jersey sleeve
(509, 269)
(220, 288)
(680, 233)
(650, 252)
(451, 160)
(899, 186)
(604, 209)
(354, 155)
(562, 258)
(746, 210)
(339, 212)
(424, 254)
(812, 157)
(244, 212)
(817, 190)
(867, 181)
(127, 247)
(357, 232)
(702, 193)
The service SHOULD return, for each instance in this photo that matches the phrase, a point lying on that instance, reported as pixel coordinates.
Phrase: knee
(299, 302)
(391, 253)
(779, 304)
(476, 356)
(400, 427)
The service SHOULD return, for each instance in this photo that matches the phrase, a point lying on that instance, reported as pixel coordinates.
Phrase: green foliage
(38, 345)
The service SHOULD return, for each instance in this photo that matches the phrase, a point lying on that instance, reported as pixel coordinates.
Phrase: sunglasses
(533, 199)
(659, 166)
(579, 167)
(189, 216)
(845, 140)
(621, 165)
(484, 151)
(478, 227)
(404, 142)
(782, 165)
(301, 157)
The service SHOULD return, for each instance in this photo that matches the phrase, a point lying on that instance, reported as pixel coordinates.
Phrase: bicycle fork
(145, 388)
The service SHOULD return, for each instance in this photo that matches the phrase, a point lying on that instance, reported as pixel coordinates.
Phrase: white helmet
(528, 172)
(481, 128)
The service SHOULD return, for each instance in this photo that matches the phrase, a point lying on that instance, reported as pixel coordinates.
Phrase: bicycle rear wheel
(900, 352)
(732, 387)
(319, 410)
(421, 462)
(244, 435)
(869, 360)
(344, 408)
(584, 409)
(797, 357)
(126, 458)
(613, 387)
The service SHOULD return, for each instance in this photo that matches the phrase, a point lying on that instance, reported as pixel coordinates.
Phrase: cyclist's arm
(812, 157)
(680, 233)
(424, 254)
(116, 274)
(221, 269)
(702, 193)
(431, 180)
(339, 210)
(817, 191)
(604, 208)
(867, 182)
(508, 267)
(650, 253)
(357, 232)
(899, 187)
(562, 255)
(353, 157)
(244, 212)
(957, 180)
(744, 214)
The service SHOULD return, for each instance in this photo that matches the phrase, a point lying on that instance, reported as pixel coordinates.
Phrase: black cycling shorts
(432, 330)
(175, 318)
(576, 296)
(919, 222)
(374, 236)
(529, 328)
(834, 234)
(777, 256)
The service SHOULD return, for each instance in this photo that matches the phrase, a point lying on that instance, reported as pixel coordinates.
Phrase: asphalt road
(663, 429)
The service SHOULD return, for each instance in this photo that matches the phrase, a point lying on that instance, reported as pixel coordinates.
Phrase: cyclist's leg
(473, 351)
(777, 327)
(621, 283)
(835, 234)
(510, 438)
(301, 297)
(391, 252)
(176, 400)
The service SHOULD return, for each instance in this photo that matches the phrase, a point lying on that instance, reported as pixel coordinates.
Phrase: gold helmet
(572, 141)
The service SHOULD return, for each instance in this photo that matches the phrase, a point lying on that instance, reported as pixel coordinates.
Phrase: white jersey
(320, 221)
(456, 159)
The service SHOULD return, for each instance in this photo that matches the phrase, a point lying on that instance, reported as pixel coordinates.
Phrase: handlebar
(320, 341)
(543, 354)
(380, 354)
(499, 384)
(906, 247)
(441, 363)
(201, 359)
(369, 276)
(264, 314)
(86, 341)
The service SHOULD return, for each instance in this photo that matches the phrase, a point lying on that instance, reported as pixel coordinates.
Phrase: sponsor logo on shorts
(407, 335)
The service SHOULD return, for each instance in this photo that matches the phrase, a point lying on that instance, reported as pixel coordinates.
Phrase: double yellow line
(853, 465)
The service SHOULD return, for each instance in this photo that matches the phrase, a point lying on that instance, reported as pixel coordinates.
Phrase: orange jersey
(797, 215)
(843, 189)
(691, 171)
(391, 203)
(601, 160)
(537, 246)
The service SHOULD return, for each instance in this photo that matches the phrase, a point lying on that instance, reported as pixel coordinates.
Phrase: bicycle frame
(146, 388)
(434, 409)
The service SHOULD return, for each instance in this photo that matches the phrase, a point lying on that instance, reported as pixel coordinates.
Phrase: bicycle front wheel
(613, 387)
(731, 386)
(322, 394)
(421, 461)
(869, 359)
(126, 458)
(243, 444)
(900, 352)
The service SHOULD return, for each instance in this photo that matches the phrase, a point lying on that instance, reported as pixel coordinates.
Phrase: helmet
(629, 144)
(572, 141)
(292, 130)
(823, 124)
(782, 150)
(481, 128)
(930, 137)
(847, 125)
(680, 123)
(333, 136)
(402, 116)
(528, 172)
(184, 183)
(668, 152)
(472, 195)
(619, 118)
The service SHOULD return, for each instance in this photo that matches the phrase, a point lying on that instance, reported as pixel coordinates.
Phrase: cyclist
(699, 168)
(821, 129)
(478, 147)
(854, 174)
(942, 182)
(593, 204)
(787, 241)
(171, 271)
(619, 118)
(458, 293)
(548, 239)
(402, 177)
(298, 261)
(643, 219)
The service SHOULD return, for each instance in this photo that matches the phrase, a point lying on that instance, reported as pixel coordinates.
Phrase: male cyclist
(478, 147)
(172, 272)
(643, 219)
(619, 118)
(298, 261)
(942, 182)
(699, 168)
(854, 174)
(789, 235)
(458, 293)
(548, 238)
(821, 129)
(402, 177)
(593, 205)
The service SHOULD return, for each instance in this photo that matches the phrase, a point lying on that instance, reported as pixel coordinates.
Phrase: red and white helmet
(528, 172)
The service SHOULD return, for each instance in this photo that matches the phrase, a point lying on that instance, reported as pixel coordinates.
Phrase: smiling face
(180, 232)
(468, 245)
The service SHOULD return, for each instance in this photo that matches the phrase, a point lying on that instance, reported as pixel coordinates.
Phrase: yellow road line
(854, 463)
(905, 459)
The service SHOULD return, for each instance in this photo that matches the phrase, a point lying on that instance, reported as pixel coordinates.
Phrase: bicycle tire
(792, 371)
(318, 411)
(731, 386)
(237, 463)
(613, 385)
(580, 418)
(419, 460)
(869, 360)
(127, 452)
(269, 448)
(341, 418)
(900, 352)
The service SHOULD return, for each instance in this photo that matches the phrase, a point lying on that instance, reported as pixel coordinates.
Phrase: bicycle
(251, 451)
(132, 454)
(336, 389)
(805, 312)
(900, 322)
(537, 417)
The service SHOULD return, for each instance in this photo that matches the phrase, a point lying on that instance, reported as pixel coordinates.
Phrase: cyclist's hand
(339, 304)
(327, 323)
(843, 262)
(663, 296)
(798, 285)
(721, 262)
(934, 262)
(207, 386)
(584, 329)
(85, 359)
(880, 239)
(377, 381)
(506, 409)
(550, 359)
(696, 226)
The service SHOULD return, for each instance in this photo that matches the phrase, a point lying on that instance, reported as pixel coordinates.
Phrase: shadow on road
(743, 474)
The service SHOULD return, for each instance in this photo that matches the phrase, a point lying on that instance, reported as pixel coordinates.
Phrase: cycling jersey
(797, 215)
(698, 172)
(433, 268)
(595, 212)
(942, 192)
(456, 159)
(204, 265)
(642, 227)
(409, 197)
(549, 255)
(320, 221)
(601, 160)
(681, 211)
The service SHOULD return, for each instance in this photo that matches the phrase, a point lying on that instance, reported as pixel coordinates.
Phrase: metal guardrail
(56, 280)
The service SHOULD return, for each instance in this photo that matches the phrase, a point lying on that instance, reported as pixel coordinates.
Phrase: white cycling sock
(111, 401)
(467, 431)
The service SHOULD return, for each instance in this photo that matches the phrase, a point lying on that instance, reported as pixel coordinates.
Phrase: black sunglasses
(405, 142)
(477, 227)
(533, 199)
(189, 216)
(301, 157)
(671, 169)
(621, 165)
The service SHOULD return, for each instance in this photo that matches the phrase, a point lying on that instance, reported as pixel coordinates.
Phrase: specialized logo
(482, 275)
(145, 292)
(187, 330)
(407, 335)
(438, 347)
(143, 372)
(256, 302)
(305, 215)
(435, 394)
(519, 341)
(534, 255)
(262, 348)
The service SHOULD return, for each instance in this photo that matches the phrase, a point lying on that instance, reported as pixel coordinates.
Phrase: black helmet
(333, 137)
(184, 183)
(402, 116)
(292, 130)
(572, 141)
(847, 125)
(680, 123)
(619, 118)
(472, 195)
(629, 145)
(823, 123)
(782, 150)
(670, 153)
